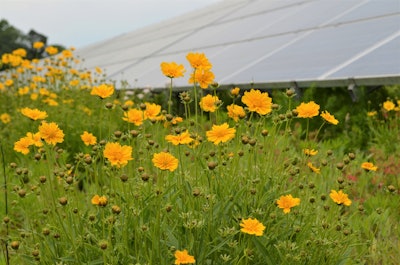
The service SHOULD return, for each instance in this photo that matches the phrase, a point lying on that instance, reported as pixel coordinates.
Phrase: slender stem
(6, 202)
(195, 96)
(170, 97)
(315, 138)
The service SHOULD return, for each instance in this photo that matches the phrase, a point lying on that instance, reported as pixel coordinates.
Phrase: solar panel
(265, 42)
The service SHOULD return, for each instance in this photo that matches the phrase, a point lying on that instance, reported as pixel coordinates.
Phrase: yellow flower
(310, 152)
(183, 138)
(287, 202)
(67, 54)
(329, 118)
(74, 82)
(307, 110)
(183, 257)
(313, 169)
(99, 200)
(34, 114)
(388, 105)
(151, 111)
(129, 103)
(371, 113)
(165, 161)
(256, 101)
(23, 90)
(369, 166)
(36, 140)
(209, 103)
(134, 116)
(51, 50)
(5, 118)
(9, 82)
(50, 102)
(198, 60)
(252, 227)
(103, 90)
(203, 77)
(220, 133)
(235, 91)
(340, 197)
(236, 112)
(117, 154)
(88, 138)
(38, 45)
(172, 70)
(22, 145)
(19, 52)
(50, 133)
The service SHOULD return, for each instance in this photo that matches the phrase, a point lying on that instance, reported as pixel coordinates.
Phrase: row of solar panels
(264, 42)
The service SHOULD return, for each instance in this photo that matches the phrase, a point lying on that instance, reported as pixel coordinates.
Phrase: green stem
(170, 97)
(6, 203)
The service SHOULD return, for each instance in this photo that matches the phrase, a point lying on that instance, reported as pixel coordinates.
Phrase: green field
(95, 175)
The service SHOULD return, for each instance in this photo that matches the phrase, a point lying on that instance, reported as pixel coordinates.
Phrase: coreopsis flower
(287, 202)
(203, 77)
(182, 138)
(152, 110)
(313, 169)
(134, 116)
(51, 133)
(183, 257)
(103, 91)
(34, 114)
(67, 54)
(50, 102)
(21, 52)
(198, 60)
(209, 103)
(368, 166)
(9, 82)
(88, 138)
(236, 112)
(307, 110)
(23, 90)
(329, 118)
(252, 227)
(172, 70)
(117, 154)
(310, 152)
(129, 103)
(165, 161)
(34, 96)
(5, 118)
(99, 200)
(35, 137)
(38, 45)
(372, 113)
(340, 197)
(388, 105)
(220, 133)
(235, 91)
(51, 50)
(22, 145)
(257, 101)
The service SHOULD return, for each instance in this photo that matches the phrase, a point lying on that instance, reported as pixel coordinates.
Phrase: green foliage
(150, 213)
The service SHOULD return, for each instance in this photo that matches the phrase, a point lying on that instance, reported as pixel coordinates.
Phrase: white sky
(79, 23)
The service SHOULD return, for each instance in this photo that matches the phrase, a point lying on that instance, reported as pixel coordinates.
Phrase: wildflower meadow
(92, 174)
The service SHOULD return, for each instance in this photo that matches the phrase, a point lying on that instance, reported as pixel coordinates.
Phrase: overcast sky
(79, 23)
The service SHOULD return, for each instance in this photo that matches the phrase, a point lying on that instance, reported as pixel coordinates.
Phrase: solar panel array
(265, 42)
